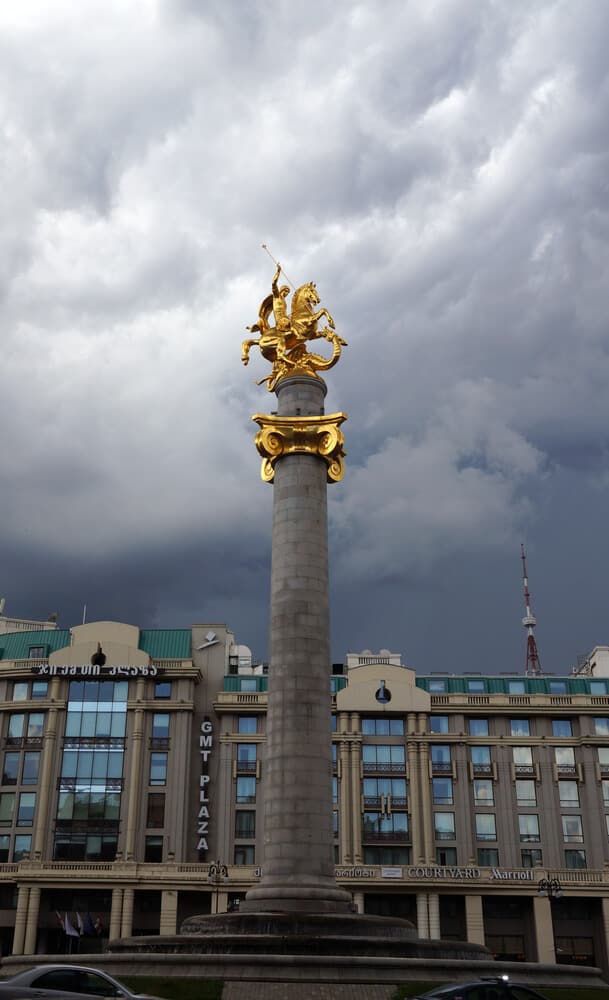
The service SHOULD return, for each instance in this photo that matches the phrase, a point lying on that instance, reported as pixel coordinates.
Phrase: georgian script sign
(94, 670)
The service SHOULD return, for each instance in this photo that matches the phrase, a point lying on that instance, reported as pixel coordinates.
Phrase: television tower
(533, 666)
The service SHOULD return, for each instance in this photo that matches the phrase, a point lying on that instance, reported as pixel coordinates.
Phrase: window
(568, 793)
(5, 843)
(483, 792)
(249, 684)
(244, 855)
(603, 758)
(601, 726)
(444, 824)
(598, 687)
(153, 850)
(523, 760)
(160, 726)
(481, 760)
(37, 652)
(528, 826)
(245, 823)
(23, 846)
(162, 689)
(440, 758)
(605, 788)
(564, 758)
(520, 727)
(383, 758)
(572, 832)
(155, 815)
(10, 773)
(486, 828)
(374, 788)
(158, 768)
(333, 723)
(516, 687)
(31, 765)
(335, 790)
(246, 790)
(442, 789)
(390, 855)
(438, 724)
(530, 856)
(478, 727)
(27, 805)
(246, 756)
(575, 859)
(29, 725)
(384, 726)
(247, 725)
(39, 690)
(476, 687)
(380, 826)
(446, 856)
(488, 857)
(526, 794)
(20, 691)
(437, 686)
(558, 687)
(7, 808)
(562, 728)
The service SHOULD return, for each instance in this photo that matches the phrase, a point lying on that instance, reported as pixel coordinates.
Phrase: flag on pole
(69, 927)
(60, 920)
(79, 924)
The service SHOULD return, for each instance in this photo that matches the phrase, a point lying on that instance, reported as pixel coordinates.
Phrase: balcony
(383, 767)
(385, 835)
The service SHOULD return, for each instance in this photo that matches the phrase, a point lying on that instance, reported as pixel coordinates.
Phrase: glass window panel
(572, 829)
(160, 725)
(73, 723)
(5, 843)
(520, 727)
(601, 726)
(598, 687)
(93, 847)
(31, 765)
(476, 687)
(10, 773)
(15, 726)
(69, 764)
(603, 756)
(440, 754)
(444, 824)
(246, 789)
(113, 805)
(568, 793)
(153, 850)
(115, 763)
(85, 765)
(102, 724)
(382, 727)
(155, 816)
(81, 804)
(483, 792)
(158, 768)
(562, 727)
(442, 791)
(248, 684)
(564, 756)
(7, 808)
(605, 788)
(246, 752)
(438, 724)
(575, 859)
(530, 856)
(121, 690)
(516, 687)
(97, 803)
(244, 855)
(485, 826)
(117, 725)
(35, 724)
(100, 764)
(65, 809)
(558, 687)
(481, 755)
(437, 686)
(526, 794)
(245, 823)
(27, 805)
(522, 756)
(39, 689)
(247, 724)
(528, 826)
(478, 727)
(23, 846)
(20, 691)
(162, 689)
(488, 857)
(87, 727)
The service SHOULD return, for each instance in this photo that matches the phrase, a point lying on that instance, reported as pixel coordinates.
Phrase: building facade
(133, 784)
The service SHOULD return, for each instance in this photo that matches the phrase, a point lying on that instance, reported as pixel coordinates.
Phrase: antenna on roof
(533, 666)
(84, 614)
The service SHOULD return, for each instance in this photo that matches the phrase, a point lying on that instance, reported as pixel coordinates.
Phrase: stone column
(20, 918)
(356, 801)
(474, 919)
(433, 909)
(169, 912)
(116, 914)
(127, 915)
(31, 929)
(298, 841)
(425, 802)
(414, 802)
(346, 813)
(135, 790)
(422, 915)
(47, 757)
(544, 931)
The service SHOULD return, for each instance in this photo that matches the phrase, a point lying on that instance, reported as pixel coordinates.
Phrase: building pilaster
(422, 915)
(127, 915)
(116, 914)
(135, 772)
(544, 931)
(169, 912)
(49, 740)
(31, 928)
(474, 919)
(23, 899)
(433, 909)
(356, 799)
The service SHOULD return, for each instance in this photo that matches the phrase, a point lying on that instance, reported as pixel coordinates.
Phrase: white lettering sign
(94, 670)
(206, 742)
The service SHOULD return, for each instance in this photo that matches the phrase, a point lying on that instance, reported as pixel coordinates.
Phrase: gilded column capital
(320, 436)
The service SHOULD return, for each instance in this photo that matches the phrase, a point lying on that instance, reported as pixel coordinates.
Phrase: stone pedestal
(298, 865)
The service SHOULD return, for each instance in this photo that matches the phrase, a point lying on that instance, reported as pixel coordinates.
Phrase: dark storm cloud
(440, 169)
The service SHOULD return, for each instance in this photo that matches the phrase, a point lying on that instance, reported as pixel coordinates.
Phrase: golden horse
(284, 344)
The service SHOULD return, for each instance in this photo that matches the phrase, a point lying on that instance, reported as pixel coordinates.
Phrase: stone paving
(305, 991)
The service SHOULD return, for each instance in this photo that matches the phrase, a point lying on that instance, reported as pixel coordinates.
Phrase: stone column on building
(301, 449)
(31, 927)
(345, 812)
(135, 772)
(169, 911)
(433, 910)
(358, 901)
(356, 802)
(422, 915)
(425, 801)
(226, 796)
(544, 930)
(474, 919)
(45, 783)
(605, 919)
(414, 797)
(116, 914)
(23, 899)
(127, 914)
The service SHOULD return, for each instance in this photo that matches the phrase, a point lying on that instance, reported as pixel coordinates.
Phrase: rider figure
(280, 309)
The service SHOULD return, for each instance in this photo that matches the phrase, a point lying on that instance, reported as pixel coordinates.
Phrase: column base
(307, 897)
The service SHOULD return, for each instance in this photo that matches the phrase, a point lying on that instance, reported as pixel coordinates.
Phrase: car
(72, 982)
(486, 988)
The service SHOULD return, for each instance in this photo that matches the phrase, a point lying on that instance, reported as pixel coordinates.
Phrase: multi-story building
(475, 806)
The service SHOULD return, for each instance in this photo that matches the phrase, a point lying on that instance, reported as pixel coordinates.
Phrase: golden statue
(284, 344)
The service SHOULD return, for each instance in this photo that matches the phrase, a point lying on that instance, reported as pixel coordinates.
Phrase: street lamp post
(216, 876)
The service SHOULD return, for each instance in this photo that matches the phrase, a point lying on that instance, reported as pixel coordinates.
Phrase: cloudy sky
(441, 169)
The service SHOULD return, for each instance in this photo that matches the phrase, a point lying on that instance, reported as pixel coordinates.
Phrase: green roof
(166, 643)
(16, 645)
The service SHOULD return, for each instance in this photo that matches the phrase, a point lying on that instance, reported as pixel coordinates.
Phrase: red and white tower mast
(533, 666)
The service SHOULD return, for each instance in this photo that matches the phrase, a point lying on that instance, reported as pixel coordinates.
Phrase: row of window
(480, 685)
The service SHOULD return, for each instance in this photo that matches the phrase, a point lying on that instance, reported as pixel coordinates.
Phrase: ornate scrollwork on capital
(319, 436)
